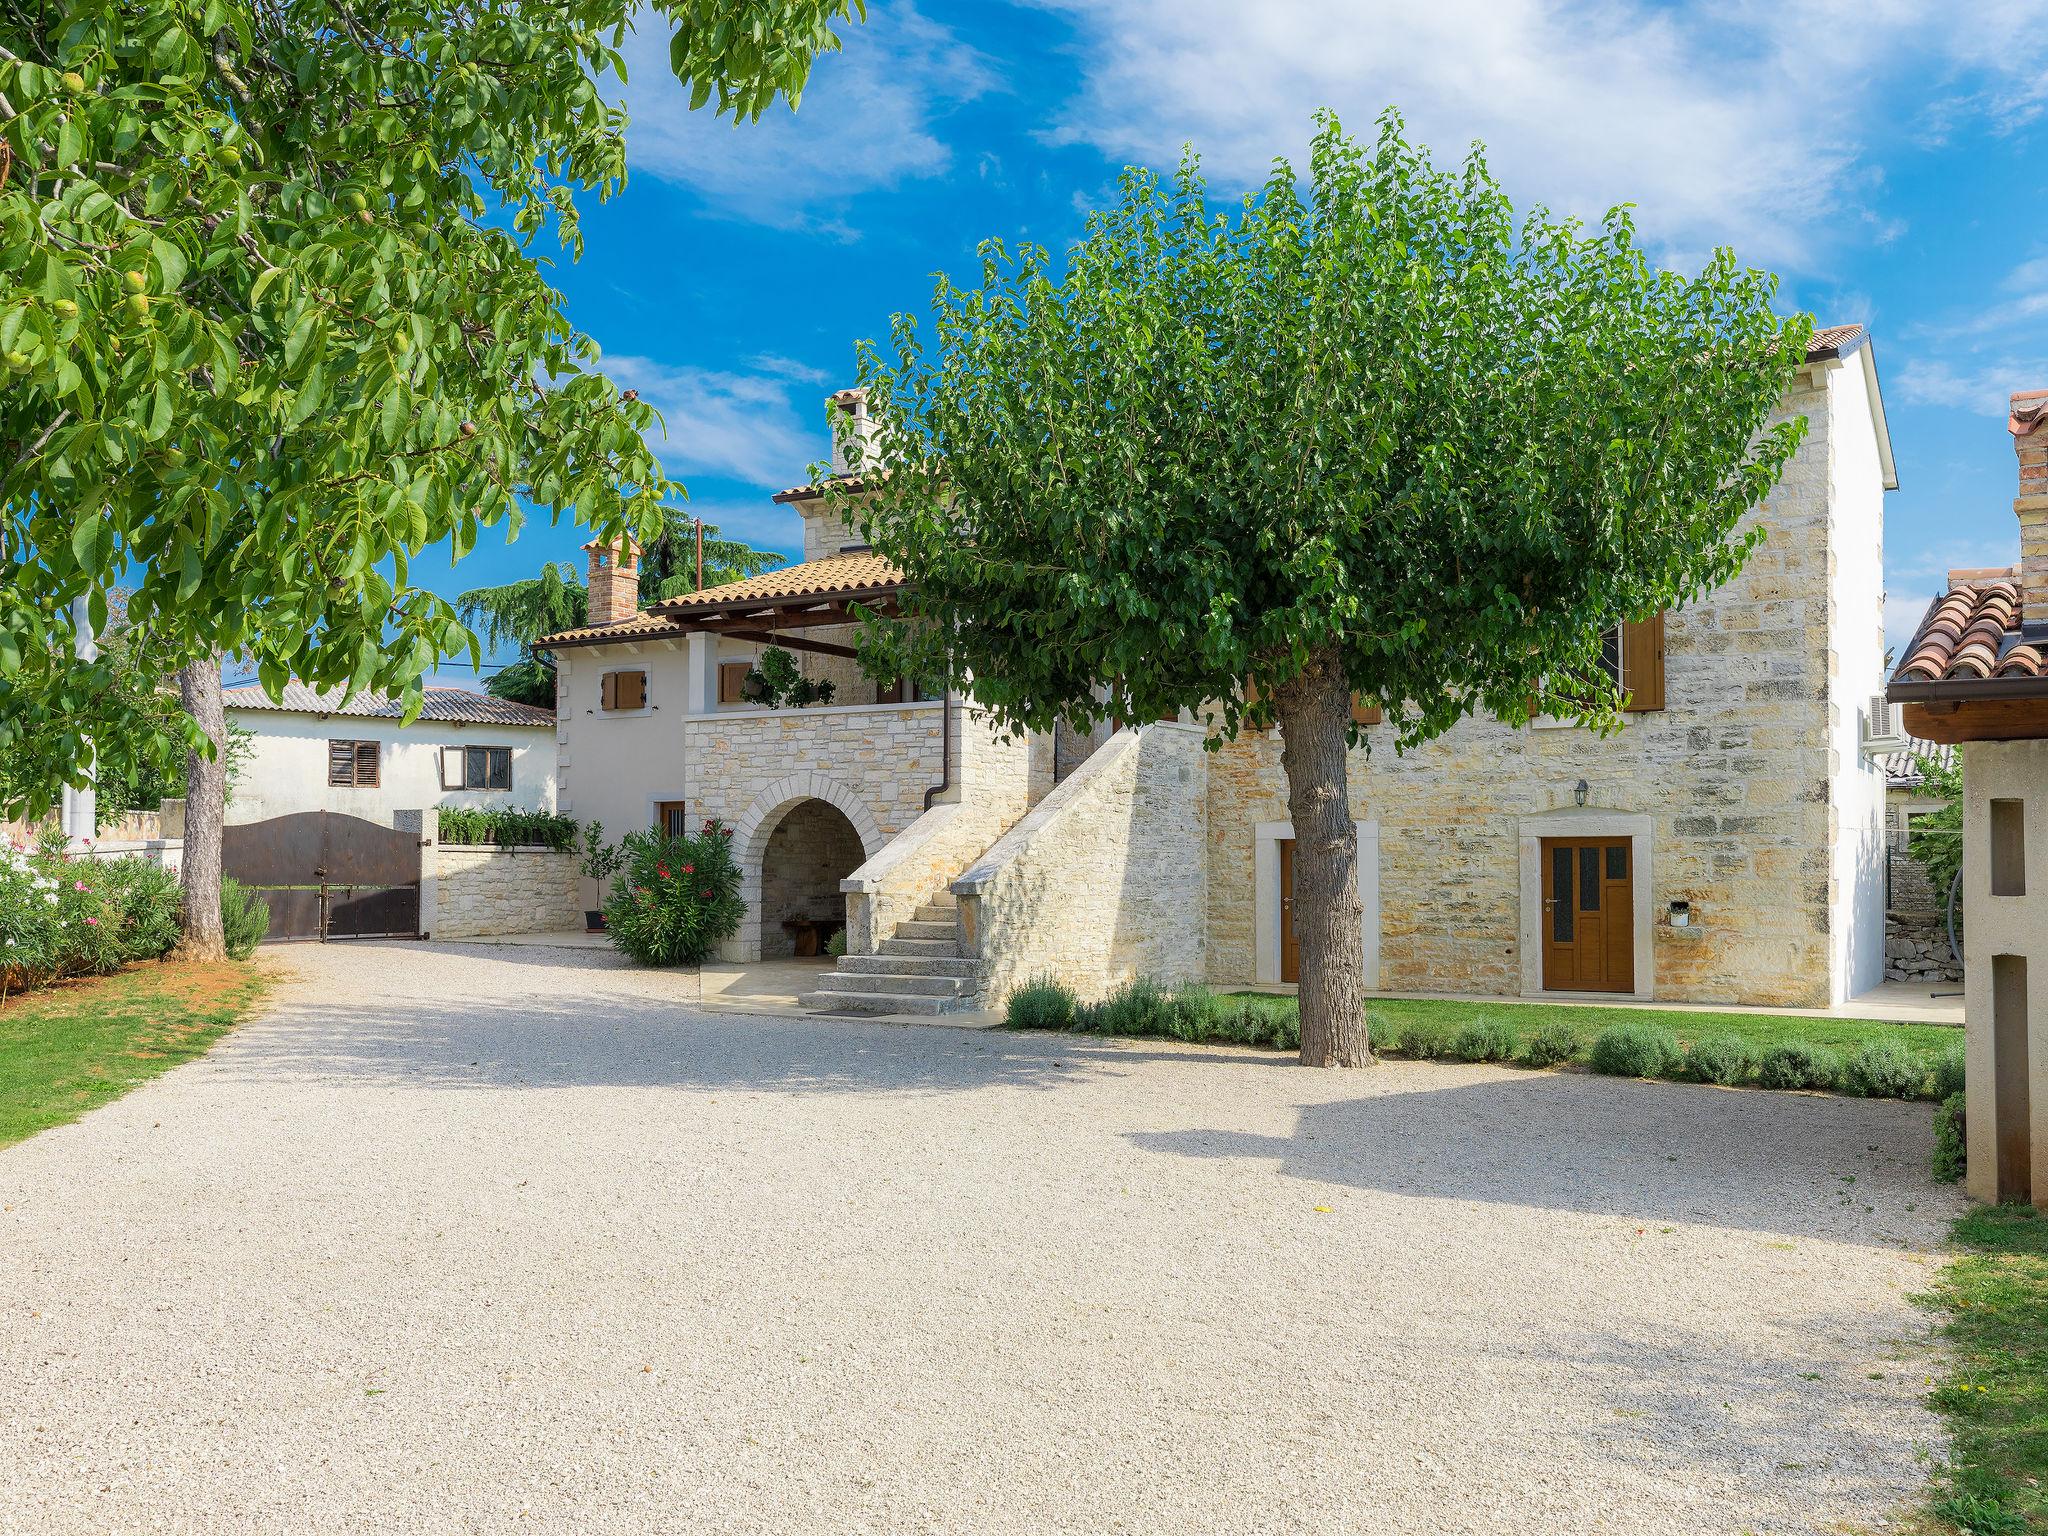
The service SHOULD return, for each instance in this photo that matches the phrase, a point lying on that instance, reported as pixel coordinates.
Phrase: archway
(812, 847)
(816, 796)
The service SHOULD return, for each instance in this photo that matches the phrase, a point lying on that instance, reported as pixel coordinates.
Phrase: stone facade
(481, 891)
(1104, 880)
(811, 850)
(888, 755)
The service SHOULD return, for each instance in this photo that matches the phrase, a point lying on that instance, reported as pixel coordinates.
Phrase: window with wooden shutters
(352, 764)
(623, 690)
(1641, 654)
(1363, 713)
(732, 681)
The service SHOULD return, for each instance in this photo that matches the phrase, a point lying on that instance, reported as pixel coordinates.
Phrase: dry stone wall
(483, 891)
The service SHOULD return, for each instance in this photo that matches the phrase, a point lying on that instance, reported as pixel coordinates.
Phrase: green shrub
(1883, 1069)
(244, 919)
(1951, 1139)
(1552, 1042)
(1636, 1050)
(1948, 1074)
(470, 825)
(1723, 1059)
(151, 906)
(836, 945)
(1485, 1040)
(1040, 1003)
(1139, 1007)
(1279, 1027)
(1427, 1038)
(677, 898)
(1796, 1064)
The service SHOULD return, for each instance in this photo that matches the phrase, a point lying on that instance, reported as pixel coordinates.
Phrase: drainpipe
(945, 753)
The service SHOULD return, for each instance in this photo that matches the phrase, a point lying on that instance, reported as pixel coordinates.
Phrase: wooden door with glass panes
(1588, 915)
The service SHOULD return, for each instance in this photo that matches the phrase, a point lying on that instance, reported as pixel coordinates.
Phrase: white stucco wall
(286, 770)
(1856, 788)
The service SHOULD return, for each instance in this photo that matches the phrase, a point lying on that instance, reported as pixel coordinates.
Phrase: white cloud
(1738, 122)
(870, 119)
(1969, 383)
(752, 426)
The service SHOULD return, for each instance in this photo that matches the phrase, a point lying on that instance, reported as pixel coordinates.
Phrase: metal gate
(328, 876)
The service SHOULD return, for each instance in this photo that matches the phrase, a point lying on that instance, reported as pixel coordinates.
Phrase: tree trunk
(206, 800)
(1314, 712)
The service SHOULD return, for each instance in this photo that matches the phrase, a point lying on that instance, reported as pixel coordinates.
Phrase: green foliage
(601, 860)
(1796, 1064)
(83, 917)
(275, 323)
(1213, 443)
(1041, 1003)
(1936, 837)
(1951, 1138)
(467, 825)
(836, 945)
(1723, 1059)
(244, 918)
(1189, 1012)
(1552, 1043)
(679, 898)
(1635, 1050)
(1427, 1039)
(1948, 1074)
(1883, 1069)
(776, 683)
(1485, 1039)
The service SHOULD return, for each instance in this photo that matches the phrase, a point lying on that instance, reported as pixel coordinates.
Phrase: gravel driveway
(482, 1240)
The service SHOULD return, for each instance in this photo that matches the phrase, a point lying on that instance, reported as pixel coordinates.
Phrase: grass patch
(74, 1046)
(1995, 1400)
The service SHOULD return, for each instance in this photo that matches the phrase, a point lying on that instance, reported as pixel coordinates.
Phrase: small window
(352, 764)
(623, 690)
(672, 817)
(2008, 848)
(732, 681)
(476, 767)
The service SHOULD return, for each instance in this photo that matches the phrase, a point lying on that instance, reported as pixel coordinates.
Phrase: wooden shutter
(1363, 713)
(1642, 664)
(732, 676)
(366, 765)
(341, 763)
(608, 691)
(633, 691)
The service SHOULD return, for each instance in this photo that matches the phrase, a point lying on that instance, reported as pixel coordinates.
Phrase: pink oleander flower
(78, 885)
(689, 869)
(92, 922)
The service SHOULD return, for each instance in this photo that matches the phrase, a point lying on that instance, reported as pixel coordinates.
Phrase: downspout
(945, 753)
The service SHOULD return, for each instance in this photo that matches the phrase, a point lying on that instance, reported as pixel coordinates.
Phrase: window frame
(608, 692)
(460, 779)
(355, 746)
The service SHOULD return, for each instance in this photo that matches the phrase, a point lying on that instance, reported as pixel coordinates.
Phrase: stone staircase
(919, 969)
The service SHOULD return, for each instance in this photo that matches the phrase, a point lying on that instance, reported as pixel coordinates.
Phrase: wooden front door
(1588, 915)
(1290, 946)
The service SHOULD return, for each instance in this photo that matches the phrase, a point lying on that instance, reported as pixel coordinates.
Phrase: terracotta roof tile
(642, 625)
(1973, 631)
(853, 575)
(1832, 341)
(450, 705)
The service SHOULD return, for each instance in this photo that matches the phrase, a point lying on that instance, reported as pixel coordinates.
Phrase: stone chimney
(2029, 426)
(614, 582)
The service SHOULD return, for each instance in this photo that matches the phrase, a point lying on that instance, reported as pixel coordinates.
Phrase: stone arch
(751, 832)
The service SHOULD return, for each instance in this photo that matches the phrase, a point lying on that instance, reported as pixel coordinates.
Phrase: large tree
(521, 612)
(1368, 436)
(273, 321)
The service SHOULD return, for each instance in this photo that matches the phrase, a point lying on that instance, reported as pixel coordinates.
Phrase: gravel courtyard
(493, 1240)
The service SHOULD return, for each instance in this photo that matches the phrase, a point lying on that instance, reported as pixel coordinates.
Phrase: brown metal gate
(328, 876)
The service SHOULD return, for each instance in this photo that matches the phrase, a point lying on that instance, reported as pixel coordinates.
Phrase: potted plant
(600, 863)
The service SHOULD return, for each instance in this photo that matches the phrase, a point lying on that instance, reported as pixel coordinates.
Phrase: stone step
(915, 929)
(830, 1000)
(906, 965)
(944, 899)
(932, 912)
(924, 949)
(921, 986)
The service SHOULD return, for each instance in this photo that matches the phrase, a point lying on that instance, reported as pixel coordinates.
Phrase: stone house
(1726, 846)
(1976, 676)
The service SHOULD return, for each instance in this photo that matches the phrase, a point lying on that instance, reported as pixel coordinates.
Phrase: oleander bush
(1485, 1040)
(64, 917)
(1797, 1064)
(465, 825)
(676, 899)
(1636, 1050)
(1883, 1069)
(1552, 1043)
(1722, 1059)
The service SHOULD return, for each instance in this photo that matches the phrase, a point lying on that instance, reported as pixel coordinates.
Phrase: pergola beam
(790, 642)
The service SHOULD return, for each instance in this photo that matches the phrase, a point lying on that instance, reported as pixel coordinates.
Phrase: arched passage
(799, 839)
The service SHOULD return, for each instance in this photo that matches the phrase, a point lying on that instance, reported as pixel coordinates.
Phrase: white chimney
(852, 429)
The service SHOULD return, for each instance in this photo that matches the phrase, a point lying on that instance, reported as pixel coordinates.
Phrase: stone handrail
(911, 868)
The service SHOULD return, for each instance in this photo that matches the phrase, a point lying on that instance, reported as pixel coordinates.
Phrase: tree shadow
(1848, 1170)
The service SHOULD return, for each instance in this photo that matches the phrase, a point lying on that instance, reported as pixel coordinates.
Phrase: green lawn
(1995, 1299)
(1765, 1029)
(75, 1046)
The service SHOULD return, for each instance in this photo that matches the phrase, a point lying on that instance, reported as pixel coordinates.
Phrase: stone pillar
(427, 825)
(614, 581)
(2029, 426)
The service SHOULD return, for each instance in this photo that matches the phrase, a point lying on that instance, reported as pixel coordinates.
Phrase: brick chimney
(2029, 426)
(615, 582)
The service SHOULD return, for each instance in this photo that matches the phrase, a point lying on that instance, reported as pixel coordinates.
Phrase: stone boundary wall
(482, 890)
(1105, 880)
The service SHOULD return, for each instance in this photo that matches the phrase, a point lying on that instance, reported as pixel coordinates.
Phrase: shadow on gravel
(1795, 1164)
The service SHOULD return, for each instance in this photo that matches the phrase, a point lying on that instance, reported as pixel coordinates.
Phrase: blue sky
(1889, 158)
